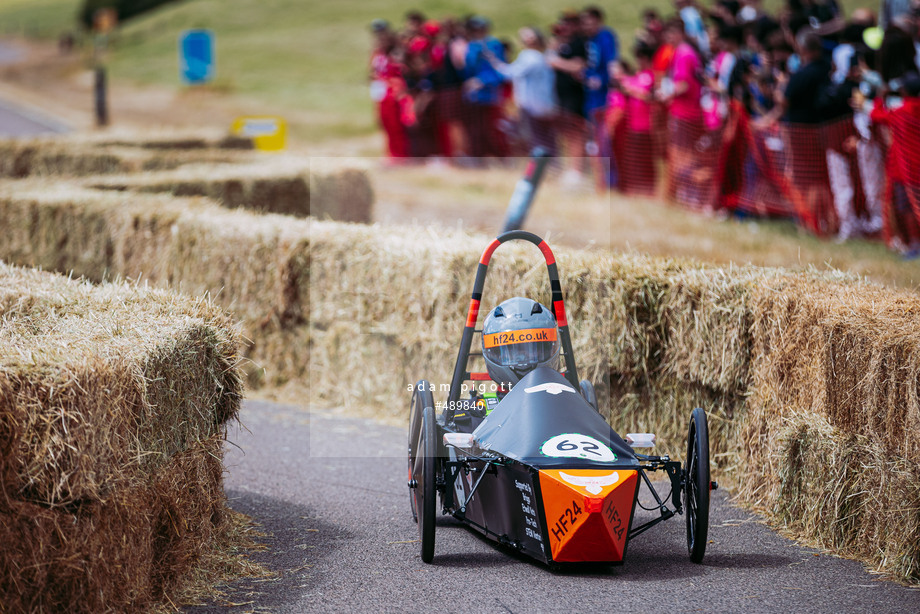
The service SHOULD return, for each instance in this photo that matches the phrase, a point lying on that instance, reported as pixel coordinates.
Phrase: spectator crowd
(806, 113)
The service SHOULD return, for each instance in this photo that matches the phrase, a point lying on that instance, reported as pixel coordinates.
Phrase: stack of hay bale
(284, 187)
(113, 406)
(220, 169)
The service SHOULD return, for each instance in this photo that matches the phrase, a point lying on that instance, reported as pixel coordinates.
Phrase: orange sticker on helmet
(528, 335)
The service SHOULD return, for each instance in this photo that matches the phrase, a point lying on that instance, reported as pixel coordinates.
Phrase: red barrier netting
(901, 213)
(694, 170)
(845, 177)
(765, 185)
(629, 140)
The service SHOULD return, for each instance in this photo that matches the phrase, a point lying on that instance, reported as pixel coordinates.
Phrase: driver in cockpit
(518, 336)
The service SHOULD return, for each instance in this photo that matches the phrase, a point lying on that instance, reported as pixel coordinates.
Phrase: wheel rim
(421, 398)
(426, 497)
(692, 496)
(414, 433)
(696, 485)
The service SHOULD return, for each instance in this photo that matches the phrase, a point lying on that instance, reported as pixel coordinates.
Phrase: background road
(17, 120)
(331, 494)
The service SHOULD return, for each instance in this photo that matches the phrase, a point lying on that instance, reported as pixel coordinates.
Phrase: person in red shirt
(901, 214)
(661, 61)
(386, 89)
(396, 110)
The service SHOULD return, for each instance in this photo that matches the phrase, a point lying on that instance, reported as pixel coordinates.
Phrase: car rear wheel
(421, 398)
(697, 485)
(426, 491)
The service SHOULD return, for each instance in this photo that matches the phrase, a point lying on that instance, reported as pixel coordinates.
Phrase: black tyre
(587, 391)
(426, 491)
(421, 398)
(697, 485)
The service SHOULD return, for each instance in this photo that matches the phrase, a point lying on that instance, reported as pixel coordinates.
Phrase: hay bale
(171, 159)
(190, 165)
(86, 155)
(124, 554)
(103, 382)
(845, 350)
(26, 158)
(184, 140)
(113, 401)
(164, 142)
(344, 195)
(254, 266)
(845, 493)
(286, 187)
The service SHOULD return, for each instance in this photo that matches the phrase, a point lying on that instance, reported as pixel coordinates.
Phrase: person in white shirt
(534, 84)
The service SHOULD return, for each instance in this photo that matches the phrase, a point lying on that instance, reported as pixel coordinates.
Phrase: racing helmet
(518, 336)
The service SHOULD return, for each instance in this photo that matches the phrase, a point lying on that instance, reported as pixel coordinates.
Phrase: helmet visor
(521, 348)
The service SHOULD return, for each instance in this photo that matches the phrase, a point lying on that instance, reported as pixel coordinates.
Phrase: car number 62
(574, 445)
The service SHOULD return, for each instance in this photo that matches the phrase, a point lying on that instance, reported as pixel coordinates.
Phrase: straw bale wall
(792, 367)
(255, 266)
(293, 189)
(113, 401)
(78, 157)
(37, 158)
(221, 169)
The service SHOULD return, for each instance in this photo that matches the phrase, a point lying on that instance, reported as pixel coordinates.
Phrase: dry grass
(113, 401)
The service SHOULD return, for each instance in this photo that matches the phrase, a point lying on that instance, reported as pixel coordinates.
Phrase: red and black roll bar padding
(558, 308)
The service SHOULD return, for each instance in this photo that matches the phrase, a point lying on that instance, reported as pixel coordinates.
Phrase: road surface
(331, 494)
(18, 120)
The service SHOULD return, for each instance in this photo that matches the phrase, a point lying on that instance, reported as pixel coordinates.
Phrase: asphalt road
(17, 120)
(331, 494)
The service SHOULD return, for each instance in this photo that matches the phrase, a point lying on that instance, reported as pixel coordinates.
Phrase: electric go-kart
(543, 473)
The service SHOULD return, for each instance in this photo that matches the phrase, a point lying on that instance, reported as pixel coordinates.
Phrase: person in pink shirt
(680, 91)
(682, 95)
(640, 91)
(637, 164)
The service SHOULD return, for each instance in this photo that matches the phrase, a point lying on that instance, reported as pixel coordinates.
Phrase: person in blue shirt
(601, 46)
(482, 90)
